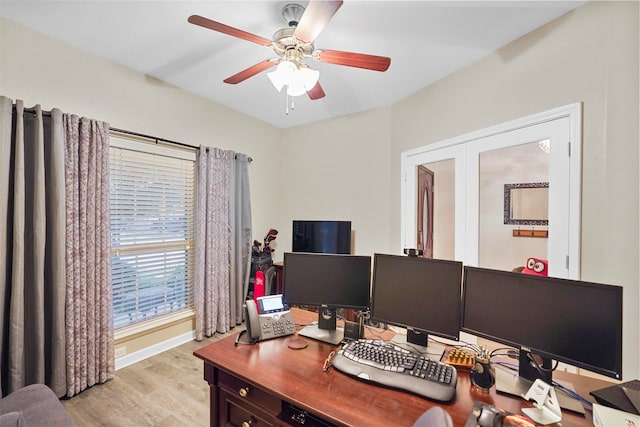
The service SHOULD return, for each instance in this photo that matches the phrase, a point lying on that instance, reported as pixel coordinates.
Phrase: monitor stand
(519, 383)
(419, 341)
(326, 329)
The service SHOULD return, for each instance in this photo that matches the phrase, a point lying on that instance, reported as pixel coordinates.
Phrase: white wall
(589, 55)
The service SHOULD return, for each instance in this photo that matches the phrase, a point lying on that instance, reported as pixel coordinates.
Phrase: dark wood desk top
(297, 377)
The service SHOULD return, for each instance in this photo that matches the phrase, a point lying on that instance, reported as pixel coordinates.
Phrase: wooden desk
(254, 382)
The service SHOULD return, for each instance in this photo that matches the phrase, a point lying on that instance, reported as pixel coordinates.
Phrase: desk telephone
(268, 319)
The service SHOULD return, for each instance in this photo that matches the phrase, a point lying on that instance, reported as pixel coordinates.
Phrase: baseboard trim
(130, 359)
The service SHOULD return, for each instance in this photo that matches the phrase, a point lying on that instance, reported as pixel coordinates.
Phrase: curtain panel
(223, 240)
(54, 251)
(32, 270)
(90, 354)
(241, 241)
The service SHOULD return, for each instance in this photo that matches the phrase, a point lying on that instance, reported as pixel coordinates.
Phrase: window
(152, 230)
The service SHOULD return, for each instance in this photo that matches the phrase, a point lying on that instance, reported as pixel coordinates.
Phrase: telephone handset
(252, 321)
(268, 319)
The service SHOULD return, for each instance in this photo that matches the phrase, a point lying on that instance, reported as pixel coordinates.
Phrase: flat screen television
(329, 282)
(420, 294)
(571, 321)
(321, 236)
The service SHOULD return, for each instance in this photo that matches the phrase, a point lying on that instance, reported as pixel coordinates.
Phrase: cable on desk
(509, 352)
(411, 347)
(373, 331)
(573, 394)
(508, 365)
(364, 315)
(541, 370)
(474, 347)
(568, 391)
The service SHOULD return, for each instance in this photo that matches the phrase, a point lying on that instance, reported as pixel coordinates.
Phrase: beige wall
(591, 56)
(349, 168)
(337, 170)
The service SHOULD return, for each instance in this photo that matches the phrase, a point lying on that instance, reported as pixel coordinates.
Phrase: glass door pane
(513, 205)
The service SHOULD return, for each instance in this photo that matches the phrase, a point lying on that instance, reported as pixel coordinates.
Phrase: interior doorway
(475, 244)
(425, 211)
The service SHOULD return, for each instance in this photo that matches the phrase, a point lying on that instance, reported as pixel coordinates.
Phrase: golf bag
(261, 260)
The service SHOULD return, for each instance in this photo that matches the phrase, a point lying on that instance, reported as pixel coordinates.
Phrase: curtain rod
(166, 141)
(128, 132)
(156, 139)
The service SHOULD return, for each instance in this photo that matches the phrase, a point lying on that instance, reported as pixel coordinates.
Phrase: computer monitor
(321, 236)
(329, 282)
(575, 322)
(420, 294)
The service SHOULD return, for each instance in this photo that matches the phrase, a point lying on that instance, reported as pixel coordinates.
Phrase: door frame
(455, 148)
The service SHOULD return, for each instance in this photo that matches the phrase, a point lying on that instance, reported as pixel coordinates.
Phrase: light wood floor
(165, 390)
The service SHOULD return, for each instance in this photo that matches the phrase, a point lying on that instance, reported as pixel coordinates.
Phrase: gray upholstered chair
(31, 406)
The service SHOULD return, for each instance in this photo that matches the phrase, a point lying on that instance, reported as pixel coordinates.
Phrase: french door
(470, 173)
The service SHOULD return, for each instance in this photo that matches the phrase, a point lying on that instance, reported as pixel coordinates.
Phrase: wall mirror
(526, 204)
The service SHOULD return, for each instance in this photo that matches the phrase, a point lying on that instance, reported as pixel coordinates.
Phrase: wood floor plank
(165, 390)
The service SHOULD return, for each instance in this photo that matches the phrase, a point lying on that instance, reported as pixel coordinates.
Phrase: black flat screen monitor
(333, 237)
(575, 322)
(420, 294)
(327, 281)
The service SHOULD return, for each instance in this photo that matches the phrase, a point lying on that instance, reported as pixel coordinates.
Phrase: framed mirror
(526, 204)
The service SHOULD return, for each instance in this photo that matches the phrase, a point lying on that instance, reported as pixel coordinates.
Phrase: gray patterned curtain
(223, 240)
(89, 305)
(55, 308)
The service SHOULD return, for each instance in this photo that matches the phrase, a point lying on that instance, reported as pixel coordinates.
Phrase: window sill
(143, 328)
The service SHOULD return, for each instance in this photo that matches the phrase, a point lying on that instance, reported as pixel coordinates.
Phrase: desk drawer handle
(247, 423)
(244, 391)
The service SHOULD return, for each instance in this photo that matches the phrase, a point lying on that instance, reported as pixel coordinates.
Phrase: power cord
(541, 370)
(238, 342)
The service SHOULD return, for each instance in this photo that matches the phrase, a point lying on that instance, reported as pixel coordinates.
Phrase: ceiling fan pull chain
(293, 103)
(286, 104)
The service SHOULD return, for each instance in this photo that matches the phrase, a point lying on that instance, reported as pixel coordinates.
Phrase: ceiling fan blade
(350, 59)
(315, 17)
(222, 28)
(316, 92)
(250, 72)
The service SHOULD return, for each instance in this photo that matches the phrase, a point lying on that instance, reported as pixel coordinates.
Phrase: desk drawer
(237, 412)
(249, 393)
(295, 417)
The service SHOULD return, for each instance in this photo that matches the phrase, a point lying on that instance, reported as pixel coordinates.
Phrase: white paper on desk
(604, 416)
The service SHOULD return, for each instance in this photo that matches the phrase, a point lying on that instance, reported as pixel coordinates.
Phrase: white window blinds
(152, 222)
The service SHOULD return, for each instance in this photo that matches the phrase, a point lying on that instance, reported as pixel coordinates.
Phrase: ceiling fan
(294, 44)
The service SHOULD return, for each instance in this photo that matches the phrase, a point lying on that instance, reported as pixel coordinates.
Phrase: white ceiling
(426, 40)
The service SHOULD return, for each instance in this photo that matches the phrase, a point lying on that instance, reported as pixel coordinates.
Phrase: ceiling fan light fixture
(298, 80)
(282, 75)
(307, 77)
(295, 89)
